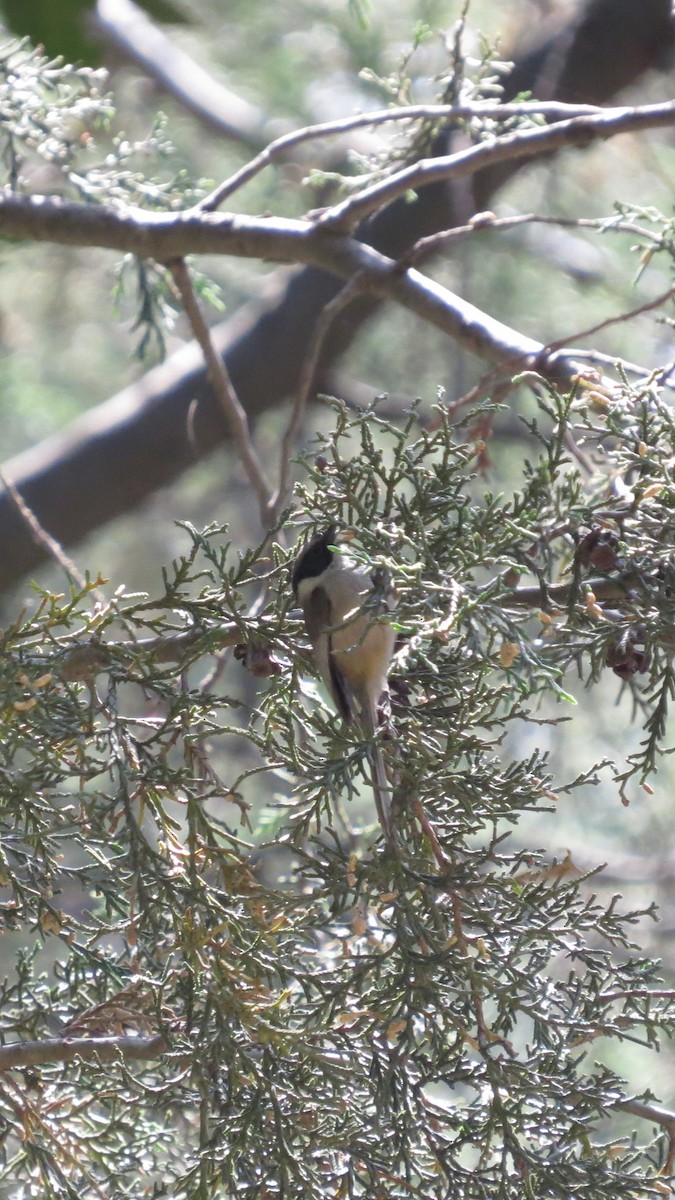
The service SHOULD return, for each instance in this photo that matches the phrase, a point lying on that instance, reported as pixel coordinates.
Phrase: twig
(485, 1036)
(649, 1112)
(49, 544)
(328, 314)
(485, 221)
(430, 833)
(609, 321)
(603, 588)
(636, 993)
(85, 660)
(105, 1049)
(252, 612)
(613, 360)
(224, 390)
(411, 112)
(660, 1116)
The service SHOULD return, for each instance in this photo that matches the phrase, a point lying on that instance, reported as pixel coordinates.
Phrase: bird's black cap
(315, 558)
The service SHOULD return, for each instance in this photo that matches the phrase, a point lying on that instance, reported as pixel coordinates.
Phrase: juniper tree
(325, 1015)
(220, 981)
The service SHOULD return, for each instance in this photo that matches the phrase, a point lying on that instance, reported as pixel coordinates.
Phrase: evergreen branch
(22, 1055)
(86, 659)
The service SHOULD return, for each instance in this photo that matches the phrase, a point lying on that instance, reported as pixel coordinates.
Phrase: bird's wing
(317, 612)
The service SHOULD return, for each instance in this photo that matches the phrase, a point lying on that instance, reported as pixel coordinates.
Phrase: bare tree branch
(523, 144)
(412, 112)
(168, 236)
(482, 222)
(173, 235)
(165, 237)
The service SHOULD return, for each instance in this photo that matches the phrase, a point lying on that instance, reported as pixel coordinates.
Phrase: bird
(352, 648)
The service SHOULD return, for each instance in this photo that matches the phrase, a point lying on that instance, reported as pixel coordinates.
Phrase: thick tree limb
(166, 236)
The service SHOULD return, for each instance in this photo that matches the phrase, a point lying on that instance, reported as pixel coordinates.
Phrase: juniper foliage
(338, 1019)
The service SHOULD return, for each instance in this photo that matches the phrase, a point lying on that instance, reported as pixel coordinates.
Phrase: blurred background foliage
(64, 349)
(65, 29)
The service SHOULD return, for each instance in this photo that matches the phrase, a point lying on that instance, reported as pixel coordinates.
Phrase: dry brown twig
(648, 306)
(329, 313)
(224, 390)
(54, 549)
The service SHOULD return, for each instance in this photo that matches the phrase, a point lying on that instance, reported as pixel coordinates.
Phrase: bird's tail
(381, 787)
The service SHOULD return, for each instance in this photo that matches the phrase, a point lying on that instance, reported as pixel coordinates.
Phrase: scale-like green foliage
(338, 1019)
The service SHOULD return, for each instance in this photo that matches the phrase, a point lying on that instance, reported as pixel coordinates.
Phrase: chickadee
(352, 649)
